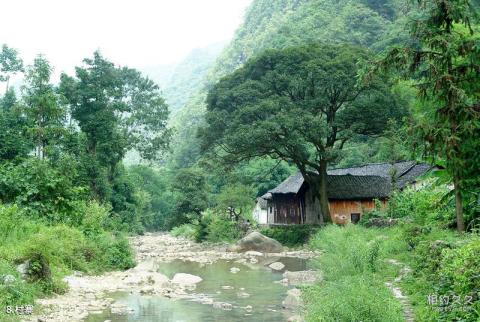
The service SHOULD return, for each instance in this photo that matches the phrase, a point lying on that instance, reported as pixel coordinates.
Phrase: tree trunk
(458, 204)
(323, 192)
(318, 186)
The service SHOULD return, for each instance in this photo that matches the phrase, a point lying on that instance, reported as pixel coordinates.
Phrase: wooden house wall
(288, 209)
(341, 210)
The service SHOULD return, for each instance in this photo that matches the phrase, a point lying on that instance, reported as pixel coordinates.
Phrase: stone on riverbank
(277, 266)
(182, 278)
(257, 242)
(300, 277)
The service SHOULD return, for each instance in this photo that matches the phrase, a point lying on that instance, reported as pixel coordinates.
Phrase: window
(271, 209)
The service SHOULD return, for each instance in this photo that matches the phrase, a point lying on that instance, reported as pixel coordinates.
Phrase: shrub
(94, 218)
(425, 206)
(459, 275)
(222, 229)
(291, 235)
(44, 191)
(186, 230)
(118, 254)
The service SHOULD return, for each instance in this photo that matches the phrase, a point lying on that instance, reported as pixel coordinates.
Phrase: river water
(254, 294)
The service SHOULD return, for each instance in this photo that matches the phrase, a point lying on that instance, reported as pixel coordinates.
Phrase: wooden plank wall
(340, 210)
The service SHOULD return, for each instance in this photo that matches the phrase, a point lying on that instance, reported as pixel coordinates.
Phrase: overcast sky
(136, 33)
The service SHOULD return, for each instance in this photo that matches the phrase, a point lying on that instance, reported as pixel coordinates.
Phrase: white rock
(253, 253)
(277, 266)
(183, 278)
(234, 270)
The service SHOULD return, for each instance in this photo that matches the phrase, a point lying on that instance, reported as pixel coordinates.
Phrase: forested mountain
(279, 24)
(179, 81)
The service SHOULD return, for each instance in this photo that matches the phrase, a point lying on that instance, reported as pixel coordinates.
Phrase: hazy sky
(136, 33)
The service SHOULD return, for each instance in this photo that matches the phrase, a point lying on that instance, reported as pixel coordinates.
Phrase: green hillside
(179, 81)
(371, 23)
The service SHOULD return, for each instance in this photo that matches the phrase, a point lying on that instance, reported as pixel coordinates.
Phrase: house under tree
(351, 191)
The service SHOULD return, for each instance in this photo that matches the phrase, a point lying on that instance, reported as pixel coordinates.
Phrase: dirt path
(89, 294)
(397, 292)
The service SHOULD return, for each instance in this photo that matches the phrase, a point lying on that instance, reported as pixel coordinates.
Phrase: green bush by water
(291, 235)
(53, 251)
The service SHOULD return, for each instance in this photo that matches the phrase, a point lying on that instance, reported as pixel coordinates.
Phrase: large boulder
(257, 242)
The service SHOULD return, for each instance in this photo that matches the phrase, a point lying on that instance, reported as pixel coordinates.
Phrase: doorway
(355, 218)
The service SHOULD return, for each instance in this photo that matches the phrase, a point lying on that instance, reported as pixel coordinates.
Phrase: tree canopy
(299, 105)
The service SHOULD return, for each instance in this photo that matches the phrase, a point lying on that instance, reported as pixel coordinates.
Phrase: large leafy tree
(46, 116)
(191, 198)
(299, 105)
(117, 109)
(444, 58)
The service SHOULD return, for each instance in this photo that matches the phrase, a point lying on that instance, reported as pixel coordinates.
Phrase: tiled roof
(368, 181)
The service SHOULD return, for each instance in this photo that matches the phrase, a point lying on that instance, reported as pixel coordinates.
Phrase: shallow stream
(254, 294)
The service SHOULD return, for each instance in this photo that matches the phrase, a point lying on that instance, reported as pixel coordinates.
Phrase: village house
(351, 192)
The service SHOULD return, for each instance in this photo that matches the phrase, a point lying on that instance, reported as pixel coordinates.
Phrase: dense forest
(304, 86)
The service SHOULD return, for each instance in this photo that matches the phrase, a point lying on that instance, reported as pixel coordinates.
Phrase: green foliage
(353, 298)
(221, 228)
(235, 201)
(443, 56)
(211, 226)
(186, 230)
(458, 275)
(426, 206)
(353, 268)
(179, 82)
(45, 114)
(13, 128)
(191, 195)
(287, 23)
(87, 248)
(155, 186)
(299, 105)
(118, 253)
(124, 111)
(44, 191)
(291, 235)
(10, 63)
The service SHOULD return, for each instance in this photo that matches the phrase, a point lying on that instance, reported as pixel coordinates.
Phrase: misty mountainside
(371, 23)
(179, 81)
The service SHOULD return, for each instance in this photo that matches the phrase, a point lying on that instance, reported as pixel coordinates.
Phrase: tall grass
(354, 271)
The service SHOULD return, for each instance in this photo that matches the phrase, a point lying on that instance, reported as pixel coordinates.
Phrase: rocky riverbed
(89, 295)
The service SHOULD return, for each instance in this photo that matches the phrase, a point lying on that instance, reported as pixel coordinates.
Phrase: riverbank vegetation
(304, 86)
(66, 200)
(437, 266)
